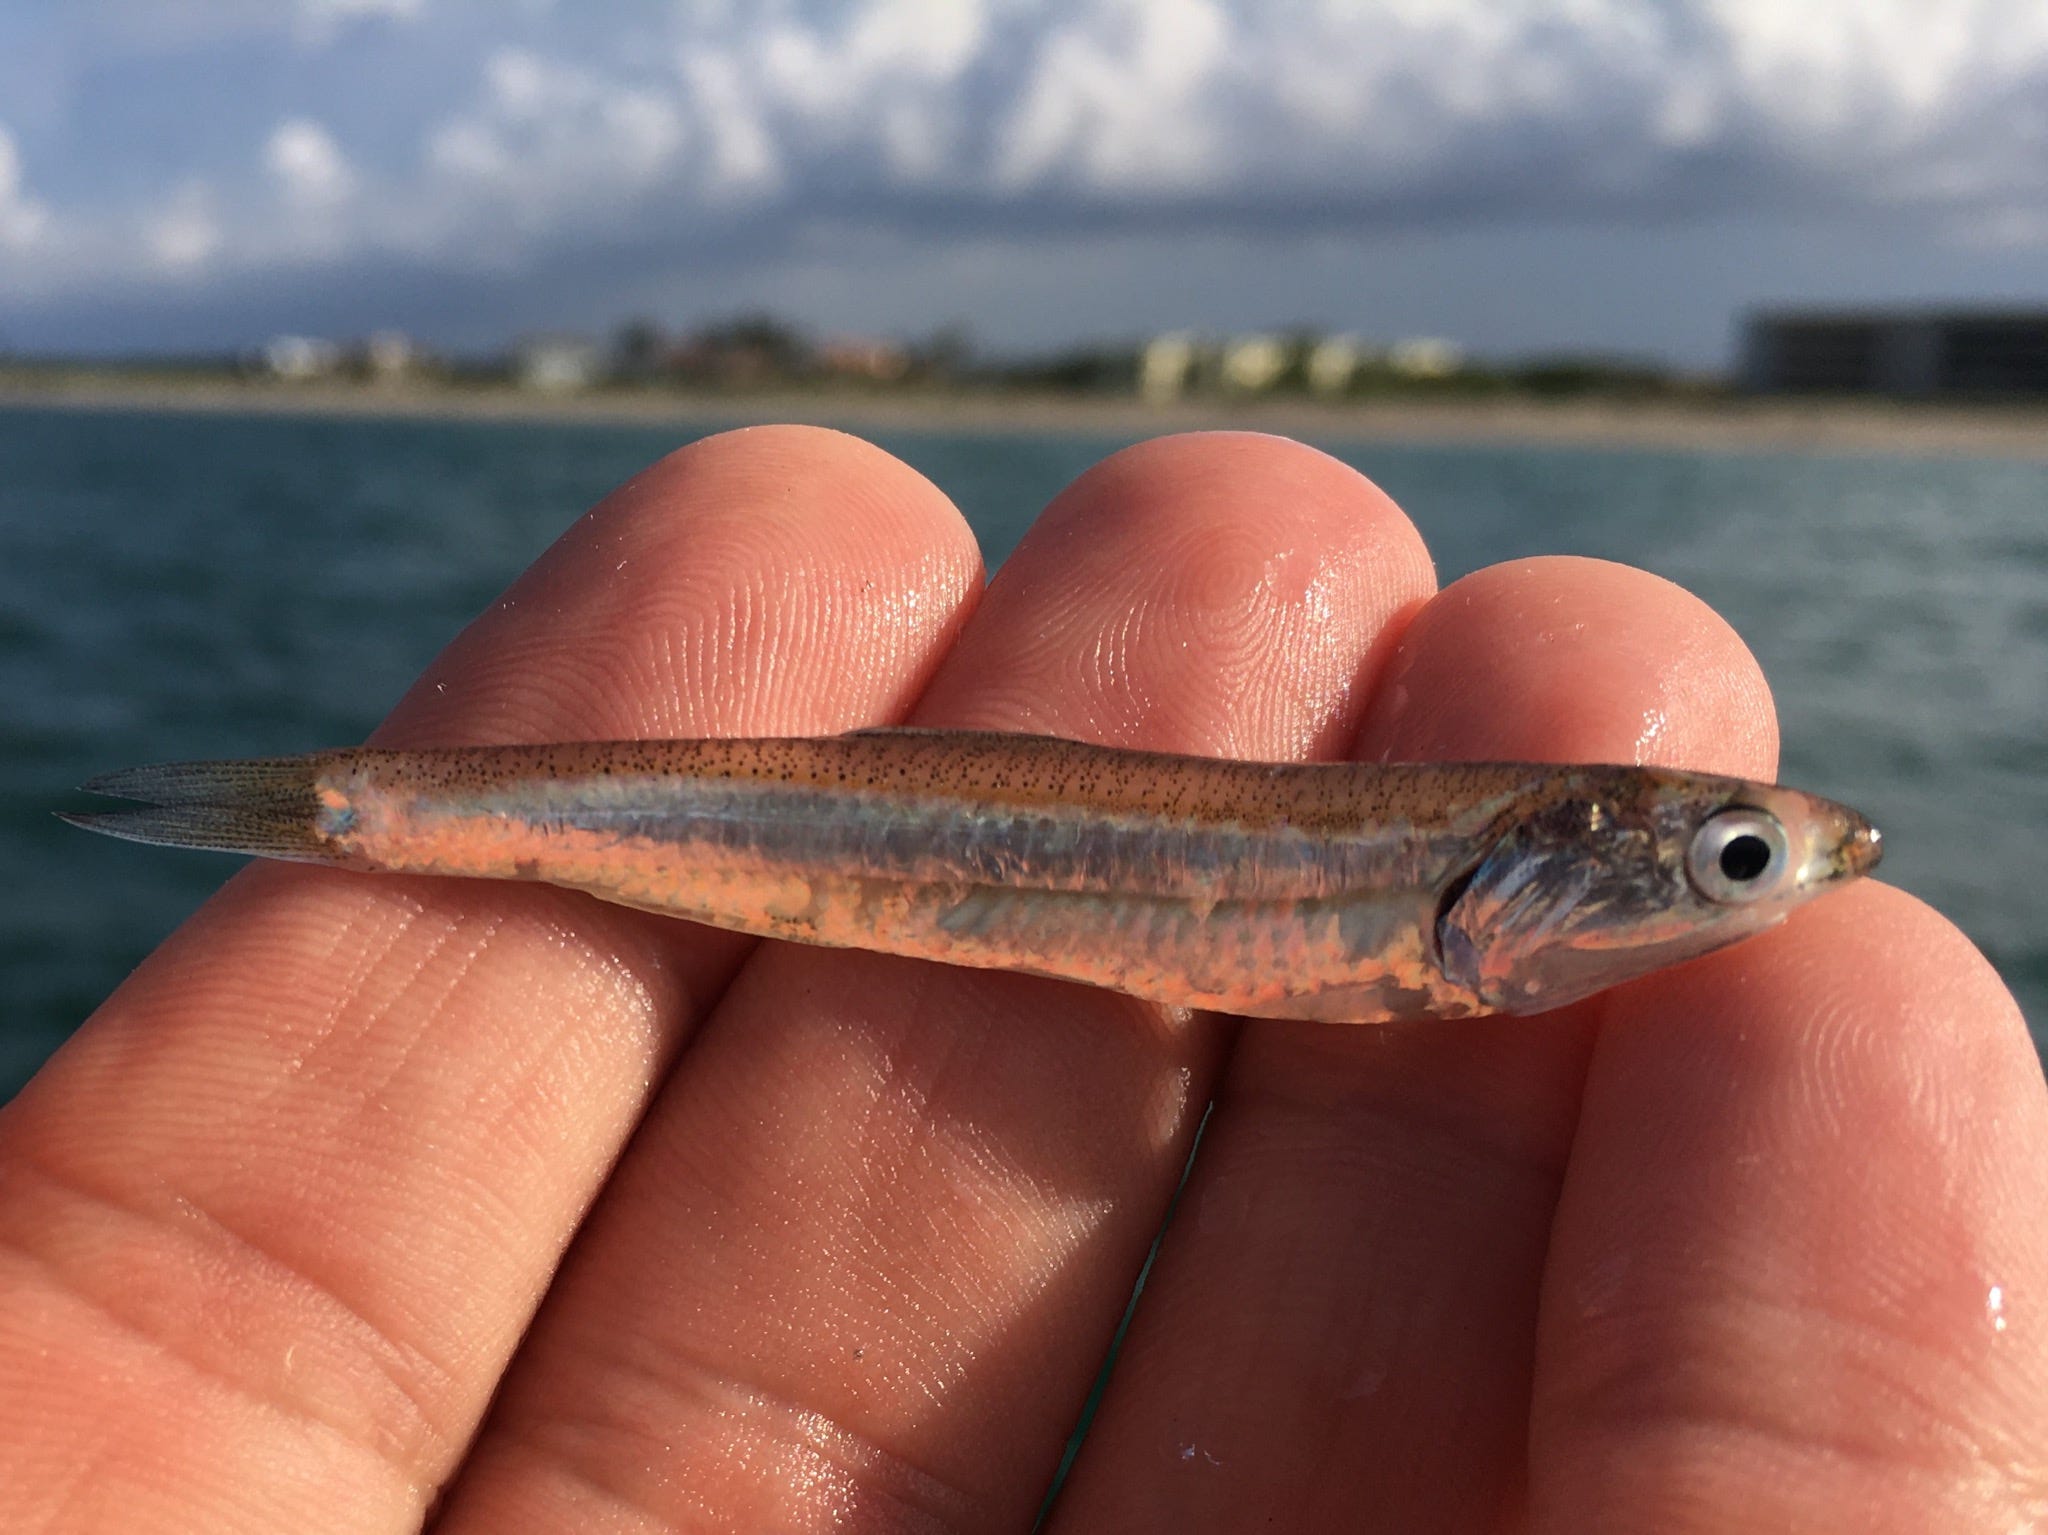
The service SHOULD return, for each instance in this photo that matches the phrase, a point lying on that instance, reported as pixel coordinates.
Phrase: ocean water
(212, 586)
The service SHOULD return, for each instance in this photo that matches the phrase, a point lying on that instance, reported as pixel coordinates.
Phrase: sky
(1525, 177)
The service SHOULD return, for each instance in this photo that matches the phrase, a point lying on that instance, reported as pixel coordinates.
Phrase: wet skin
(1758, 1242)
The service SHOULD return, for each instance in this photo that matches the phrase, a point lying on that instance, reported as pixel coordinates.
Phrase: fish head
(1609, 873)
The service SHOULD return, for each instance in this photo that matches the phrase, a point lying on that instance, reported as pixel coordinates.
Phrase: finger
(1341, 1315)
(863, 1260)
(271, 1223)
(1799, 1266)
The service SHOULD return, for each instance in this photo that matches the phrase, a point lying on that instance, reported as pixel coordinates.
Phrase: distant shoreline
(1736, 425)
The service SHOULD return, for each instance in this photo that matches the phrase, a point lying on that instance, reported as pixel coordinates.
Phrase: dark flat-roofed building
(1915, 353)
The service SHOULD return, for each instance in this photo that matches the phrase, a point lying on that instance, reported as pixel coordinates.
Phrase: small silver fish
(1343, 892)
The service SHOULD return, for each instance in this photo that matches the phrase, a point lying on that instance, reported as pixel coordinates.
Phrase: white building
(389, 355)
(557, 364)
(1166, 366)
(1252, 364)
(1333, 362)
(1425, 357)
(299, 358)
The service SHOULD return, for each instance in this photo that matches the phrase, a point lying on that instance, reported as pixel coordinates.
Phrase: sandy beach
(1728, 425)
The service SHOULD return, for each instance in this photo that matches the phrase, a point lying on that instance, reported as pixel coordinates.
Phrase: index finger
(272, 1222)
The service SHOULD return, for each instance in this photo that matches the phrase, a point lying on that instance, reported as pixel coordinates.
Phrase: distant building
(1911, 353)
(556, 364)
(300, 358)
(1425, 357)
(389, 355)
(1252, 364)
(863, 357)
(1333, 362)
(1166, 366)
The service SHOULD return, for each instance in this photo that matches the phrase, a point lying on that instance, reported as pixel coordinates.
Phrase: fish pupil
(1744, 858)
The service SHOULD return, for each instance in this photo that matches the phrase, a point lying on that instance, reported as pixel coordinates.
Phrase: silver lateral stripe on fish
(1336, 891)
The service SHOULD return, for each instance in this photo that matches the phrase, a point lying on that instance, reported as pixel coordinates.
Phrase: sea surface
(214, 586)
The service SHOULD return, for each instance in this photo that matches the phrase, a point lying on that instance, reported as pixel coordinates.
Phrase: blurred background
(320, 319)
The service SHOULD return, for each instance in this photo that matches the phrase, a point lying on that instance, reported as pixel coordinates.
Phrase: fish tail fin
(269, 807)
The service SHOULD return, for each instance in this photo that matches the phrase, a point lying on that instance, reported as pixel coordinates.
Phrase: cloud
(549, 131)
(1523, 107)
(349, 10)
(1120, 100)
(741, 152)
(23, 220)
(547, 146)
(1269, 107)
(321, 21)
(701, 127)
(308, 165)
(184, 235)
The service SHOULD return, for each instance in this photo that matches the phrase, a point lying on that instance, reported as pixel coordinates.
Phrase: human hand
(1759, 1243)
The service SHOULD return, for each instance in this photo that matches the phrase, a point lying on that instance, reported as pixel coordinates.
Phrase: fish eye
(1740, 854)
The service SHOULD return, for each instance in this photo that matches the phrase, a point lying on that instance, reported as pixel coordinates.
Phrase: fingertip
(1870, 987)
(1261, 470)
(1222, 592)
(769, 580)
(796, 465)
(1570, 659)
(1802, 1242)
(824, 492)
(1191, 457)
(1304, 493)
